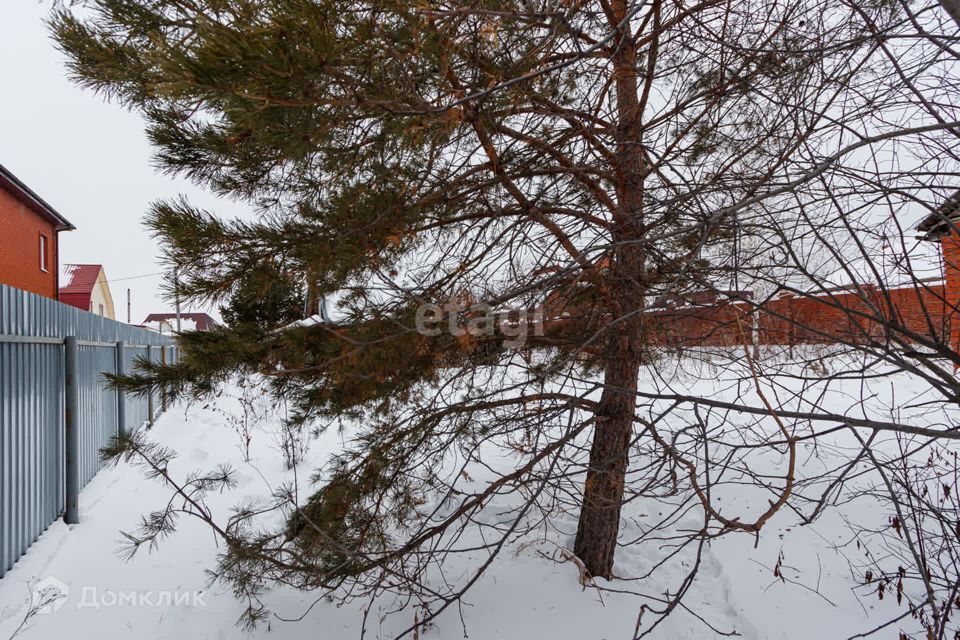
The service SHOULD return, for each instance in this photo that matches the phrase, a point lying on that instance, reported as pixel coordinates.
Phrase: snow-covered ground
(528, 592)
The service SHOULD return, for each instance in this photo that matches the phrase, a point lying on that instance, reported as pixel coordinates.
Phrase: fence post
(163, 390)
(150, 395)
(72, 439)
(121, 396)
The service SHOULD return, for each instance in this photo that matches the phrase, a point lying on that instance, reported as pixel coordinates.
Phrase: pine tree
(267, 298)
(580, 157)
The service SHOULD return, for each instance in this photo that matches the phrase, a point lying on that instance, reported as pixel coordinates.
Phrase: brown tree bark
(952, 7)
(599, 524)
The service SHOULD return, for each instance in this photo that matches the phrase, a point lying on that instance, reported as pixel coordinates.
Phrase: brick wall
(950, 246)
(20, 230)
(913, 313)
(920, 312)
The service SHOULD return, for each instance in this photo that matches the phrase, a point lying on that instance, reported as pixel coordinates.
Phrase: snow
(169, 327)
(532, 589)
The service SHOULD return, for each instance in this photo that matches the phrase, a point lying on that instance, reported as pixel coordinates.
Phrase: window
(44, 254)
(101, 310)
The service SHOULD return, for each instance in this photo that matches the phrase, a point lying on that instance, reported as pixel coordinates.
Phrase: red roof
(202, 320)
(80, 280)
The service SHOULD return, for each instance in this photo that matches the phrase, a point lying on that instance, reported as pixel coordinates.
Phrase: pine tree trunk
(599, 524)
(952, 7)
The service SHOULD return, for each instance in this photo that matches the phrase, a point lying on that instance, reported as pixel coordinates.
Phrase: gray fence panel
(32, 424)
(136, 407)
(98, 408)
(31, 436)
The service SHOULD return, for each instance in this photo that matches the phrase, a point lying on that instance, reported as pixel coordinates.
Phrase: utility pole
(128, 307)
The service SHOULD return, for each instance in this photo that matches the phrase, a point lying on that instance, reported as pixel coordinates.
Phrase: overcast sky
(89, 159)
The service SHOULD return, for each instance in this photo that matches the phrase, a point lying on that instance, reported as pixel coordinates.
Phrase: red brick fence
(855, 315)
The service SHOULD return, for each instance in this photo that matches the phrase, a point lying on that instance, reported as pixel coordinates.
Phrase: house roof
(203, 321)
(26, 195)
(941, 222)
(80, 278)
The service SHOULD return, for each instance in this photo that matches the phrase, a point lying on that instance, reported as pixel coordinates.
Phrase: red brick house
(29, 245)
(942, 226)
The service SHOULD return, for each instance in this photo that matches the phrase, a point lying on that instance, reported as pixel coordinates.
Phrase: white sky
(89, 159)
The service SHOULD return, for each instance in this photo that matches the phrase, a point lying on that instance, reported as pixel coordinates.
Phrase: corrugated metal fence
(42, 420)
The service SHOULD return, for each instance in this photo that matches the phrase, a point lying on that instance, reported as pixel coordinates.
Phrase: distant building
(166, 323)
(942, 222)
(85, 287)
(29, 244)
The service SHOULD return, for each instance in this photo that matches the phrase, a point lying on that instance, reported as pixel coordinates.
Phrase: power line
(145, 275)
